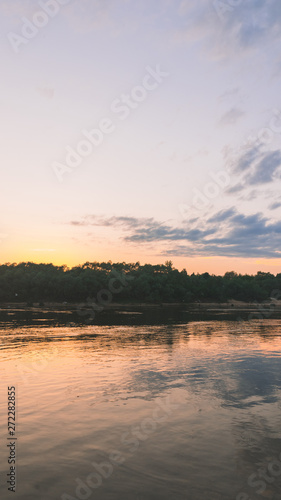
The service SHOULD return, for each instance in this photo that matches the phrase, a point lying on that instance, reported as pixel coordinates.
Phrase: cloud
(265, 170)
(274, 205)
(247, 159)
(81, 15)
(235, 189)
(222, 215)
(226, 233)
(253, 194)
(231, 116)
(127, 222)
(142, 229)
(229, 30)
(250, 25)
(229, 94)
(255, 167)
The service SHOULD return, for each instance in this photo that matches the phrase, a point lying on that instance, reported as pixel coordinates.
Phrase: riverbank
(129, 306)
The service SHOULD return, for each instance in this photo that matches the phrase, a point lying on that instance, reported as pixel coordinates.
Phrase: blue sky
(189, 171)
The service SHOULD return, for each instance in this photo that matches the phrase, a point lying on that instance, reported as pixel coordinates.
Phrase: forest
(129, 283)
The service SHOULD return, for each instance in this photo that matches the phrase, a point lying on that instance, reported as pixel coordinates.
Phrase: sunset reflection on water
(86, 392)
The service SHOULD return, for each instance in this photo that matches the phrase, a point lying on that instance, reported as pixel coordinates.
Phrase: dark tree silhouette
(29, 282)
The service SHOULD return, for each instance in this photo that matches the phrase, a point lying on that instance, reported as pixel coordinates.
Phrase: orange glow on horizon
(213, 265)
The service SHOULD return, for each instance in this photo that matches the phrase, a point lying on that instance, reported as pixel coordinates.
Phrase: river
(172, 410)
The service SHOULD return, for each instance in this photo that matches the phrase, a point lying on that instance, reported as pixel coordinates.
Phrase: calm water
(189, 410)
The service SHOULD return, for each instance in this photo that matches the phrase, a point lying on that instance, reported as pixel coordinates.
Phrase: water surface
(190, 410)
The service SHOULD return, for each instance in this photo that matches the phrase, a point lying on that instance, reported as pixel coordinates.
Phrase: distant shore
(129, 306)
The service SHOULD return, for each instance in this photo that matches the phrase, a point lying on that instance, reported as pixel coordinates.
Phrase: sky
(139, 130)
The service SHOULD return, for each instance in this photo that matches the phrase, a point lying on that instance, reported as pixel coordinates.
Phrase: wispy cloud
(265, 169)
(254, 168)
(246, 26)
(222, 215)
(226, 233)
(229, 94)
(126, 222)
(231, 116)
(247, 159)
(275, 205)
(81, 15)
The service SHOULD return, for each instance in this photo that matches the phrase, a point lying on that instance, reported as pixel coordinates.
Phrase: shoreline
(231, 305)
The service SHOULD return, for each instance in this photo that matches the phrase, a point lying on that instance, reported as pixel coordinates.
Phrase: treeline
(121, 282)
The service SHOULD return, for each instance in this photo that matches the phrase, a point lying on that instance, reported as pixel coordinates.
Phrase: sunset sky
(139, 130)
